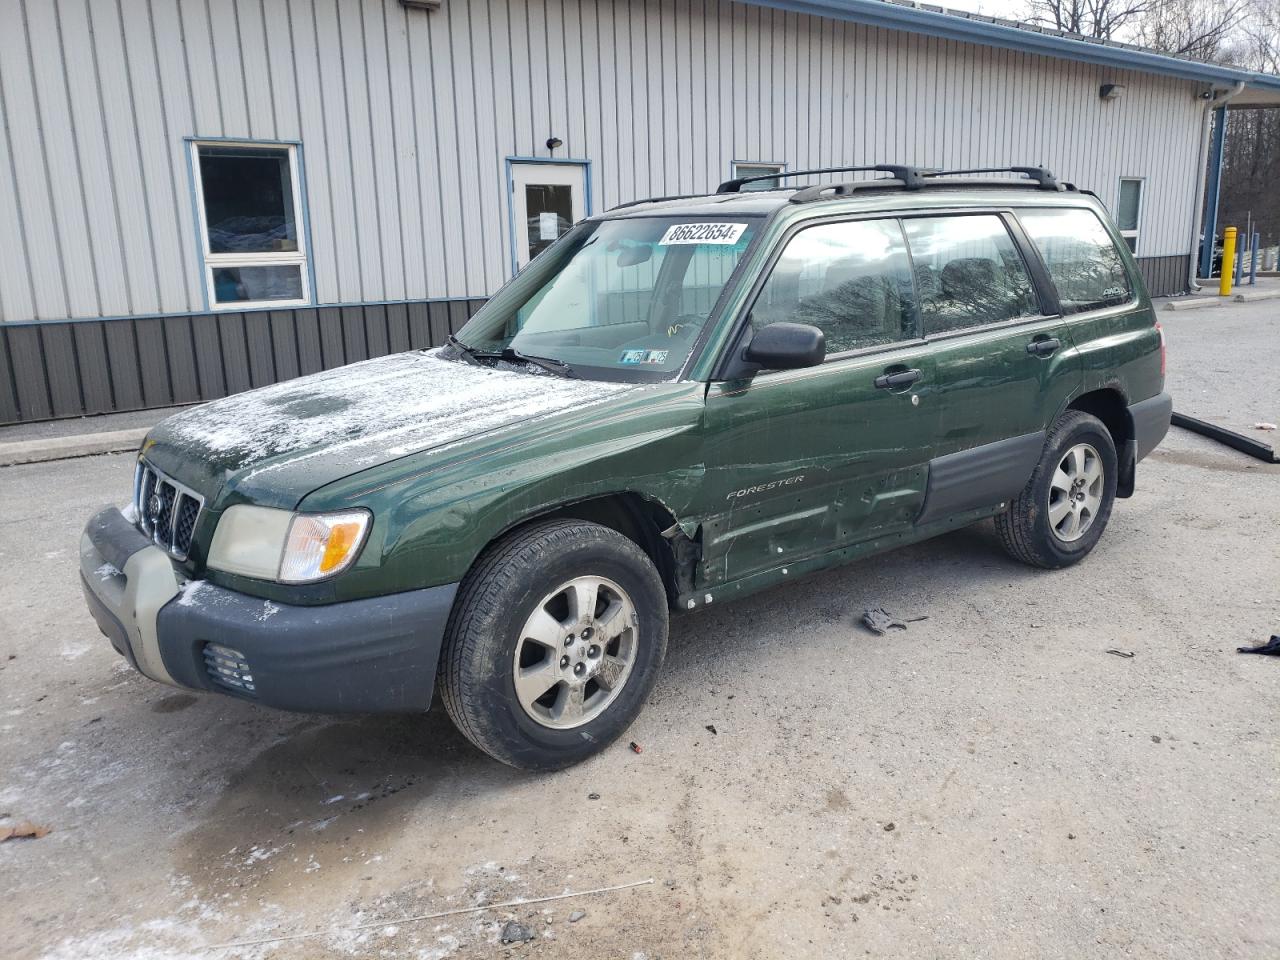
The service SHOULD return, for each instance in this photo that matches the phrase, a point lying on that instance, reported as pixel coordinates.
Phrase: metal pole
(1228, 261)
(1211, 199)
(1253, 258)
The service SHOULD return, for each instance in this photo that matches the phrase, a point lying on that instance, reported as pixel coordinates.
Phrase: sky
(1010, 9)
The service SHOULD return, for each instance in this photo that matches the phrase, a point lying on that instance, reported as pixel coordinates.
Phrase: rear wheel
(554, 643)
(1063, 510)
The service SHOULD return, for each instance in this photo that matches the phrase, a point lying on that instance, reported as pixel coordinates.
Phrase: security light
(553, 142)
(1111, 91)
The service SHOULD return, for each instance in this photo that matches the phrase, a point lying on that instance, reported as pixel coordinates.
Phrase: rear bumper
(362, 656)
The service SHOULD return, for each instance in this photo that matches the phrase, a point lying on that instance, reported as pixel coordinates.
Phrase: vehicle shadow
(327, 791)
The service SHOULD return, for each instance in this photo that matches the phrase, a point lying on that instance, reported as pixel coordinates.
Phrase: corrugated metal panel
(73, 368)
(406, 118)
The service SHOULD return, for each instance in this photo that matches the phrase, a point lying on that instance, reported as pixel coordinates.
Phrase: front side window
(741, 170)
(617, 299)
(968, 272)
(250, 224)
(1129, 210)
(1084, 264)
(851, 280)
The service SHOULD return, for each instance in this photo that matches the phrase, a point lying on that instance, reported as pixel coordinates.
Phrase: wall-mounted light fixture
(553, 142)
(1111, 91)
(421, 4)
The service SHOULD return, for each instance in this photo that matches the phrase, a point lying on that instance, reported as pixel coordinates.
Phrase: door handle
(893, 381)
(1043, 347)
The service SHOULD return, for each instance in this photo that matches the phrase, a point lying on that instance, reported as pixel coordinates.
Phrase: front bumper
(362, 656)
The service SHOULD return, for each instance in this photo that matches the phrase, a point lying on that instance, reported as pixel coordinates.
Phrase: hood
(276, 444)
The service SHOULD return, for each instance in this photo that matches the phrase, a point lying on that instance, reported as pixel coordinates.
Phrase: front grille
(228, 668)
(167, 511)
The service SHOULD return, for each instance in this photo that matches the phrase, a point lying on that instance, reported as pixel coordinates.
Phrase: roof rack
(826, 191)
(910, 177)
(636, 203)
(1045, 179)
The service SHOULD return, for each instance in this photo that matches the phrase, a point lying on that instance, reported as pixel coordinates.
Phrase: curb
(1249, 296)
(66, 448)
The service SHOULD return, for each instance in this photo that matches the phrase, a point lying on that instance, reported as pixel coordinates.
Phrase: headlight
(272, 544)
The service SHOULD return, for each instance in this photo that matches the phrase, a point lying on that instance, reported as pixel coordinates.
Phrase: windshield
(615, 299)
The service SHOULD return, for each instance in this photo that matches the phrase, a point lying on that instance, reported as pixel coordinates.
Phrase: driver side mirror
(787, 346)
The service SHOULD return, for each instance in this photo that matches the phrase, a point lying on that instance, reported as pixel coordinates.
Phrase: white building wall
(406, 117)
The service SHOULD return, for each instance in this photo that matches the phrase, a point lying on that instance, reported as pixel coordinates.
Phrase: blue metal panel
(1211, 194)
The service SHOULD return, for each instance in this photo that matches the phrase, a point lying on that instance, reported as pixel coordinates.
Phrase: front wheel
(555, 640)
(1062, 511)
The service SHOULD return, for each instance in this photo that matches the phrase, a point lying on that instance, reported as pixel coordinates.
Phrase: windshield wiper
(546, 363)
(468, 353)
(474, 356)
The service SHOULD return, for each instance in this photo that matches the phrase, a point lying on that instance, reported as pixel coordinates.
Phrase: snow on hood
(369, 413)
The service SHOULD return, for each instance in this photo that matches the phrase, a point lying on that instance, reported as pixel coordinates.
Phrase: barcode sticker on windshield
(726, 233)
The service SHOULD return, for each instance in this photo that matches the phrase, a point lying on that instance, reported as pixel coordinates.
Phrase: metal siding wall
(406, 119)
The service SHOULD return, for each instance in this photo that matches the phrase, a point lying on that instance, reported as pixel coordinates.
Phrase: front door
(803, 462)
(546, 200)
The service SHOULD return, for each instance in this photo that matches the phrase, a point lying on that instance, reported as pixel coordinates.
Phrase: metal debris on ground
(1271, 647)
(878, 620)
(1127, 654)
(515, 932)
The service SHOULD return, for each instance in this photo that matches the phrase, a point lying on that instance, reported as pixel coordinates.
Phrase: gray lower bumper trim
(1151, 419)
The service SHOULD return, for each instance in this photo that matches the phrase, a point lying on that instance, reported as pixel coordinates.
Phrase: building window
(1129, 210)
(250, 206)
(741, 170)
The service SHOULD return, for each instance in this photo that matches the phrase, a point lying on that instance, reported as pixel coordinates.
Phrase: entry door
(546, 200)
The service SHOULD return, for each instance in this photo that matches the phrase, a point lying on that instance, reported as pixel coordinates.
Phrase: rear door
(805, 461)
(1005, 363)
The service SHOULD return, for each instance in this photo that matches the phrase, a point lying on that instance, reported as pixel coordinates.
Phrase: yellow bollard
(1228, 261)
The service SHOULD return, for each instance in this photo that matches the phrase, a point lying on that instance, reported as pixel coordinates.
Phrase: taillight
(1160, 330)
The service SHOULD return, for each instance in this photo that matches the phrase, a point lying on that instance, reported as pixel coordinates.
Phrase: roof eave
(896, 16)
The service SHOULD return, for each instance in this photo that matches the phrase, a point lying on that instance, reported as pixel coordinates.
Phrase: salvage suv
(678, 403)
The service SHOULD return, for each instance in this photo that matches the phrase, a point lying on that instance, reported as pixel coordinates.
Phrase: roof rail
(825, 191)
(636, 203)
(910, 176)
(1040, 175)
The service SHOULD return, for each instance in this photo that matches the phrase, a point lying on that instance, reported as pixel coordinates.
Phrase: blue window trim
(187, 141)
(508, 189)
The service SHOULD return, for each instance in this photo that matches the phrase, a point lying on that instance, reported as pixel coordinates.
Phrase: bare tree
(1101, 19)
(1202, 29)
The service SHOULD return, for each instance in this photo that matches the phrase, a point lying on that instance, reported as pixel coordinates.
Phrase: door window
(968, 272)
(547, 199)
(1084, 264)
(852, 280)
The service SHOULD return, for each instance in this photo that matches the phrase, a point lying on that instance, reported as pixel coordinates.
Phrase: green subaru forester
(680, 402)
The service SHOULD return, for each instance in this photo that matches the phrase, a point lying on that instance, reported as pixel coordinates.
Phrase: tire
(1036, 527)
(494, 655)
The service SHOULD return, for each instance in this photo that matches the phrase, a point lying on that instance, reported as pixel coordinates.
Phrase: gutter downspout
(1197, 216)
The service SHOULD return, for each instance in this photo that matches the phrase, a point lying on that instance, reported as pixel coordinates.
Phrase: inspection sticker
(644, 356)
(724, 233)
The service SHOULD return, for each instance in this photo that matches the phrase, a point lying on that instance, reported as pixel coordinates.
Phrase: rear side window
(1083, 262)
(851, 280)
(968, 272)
